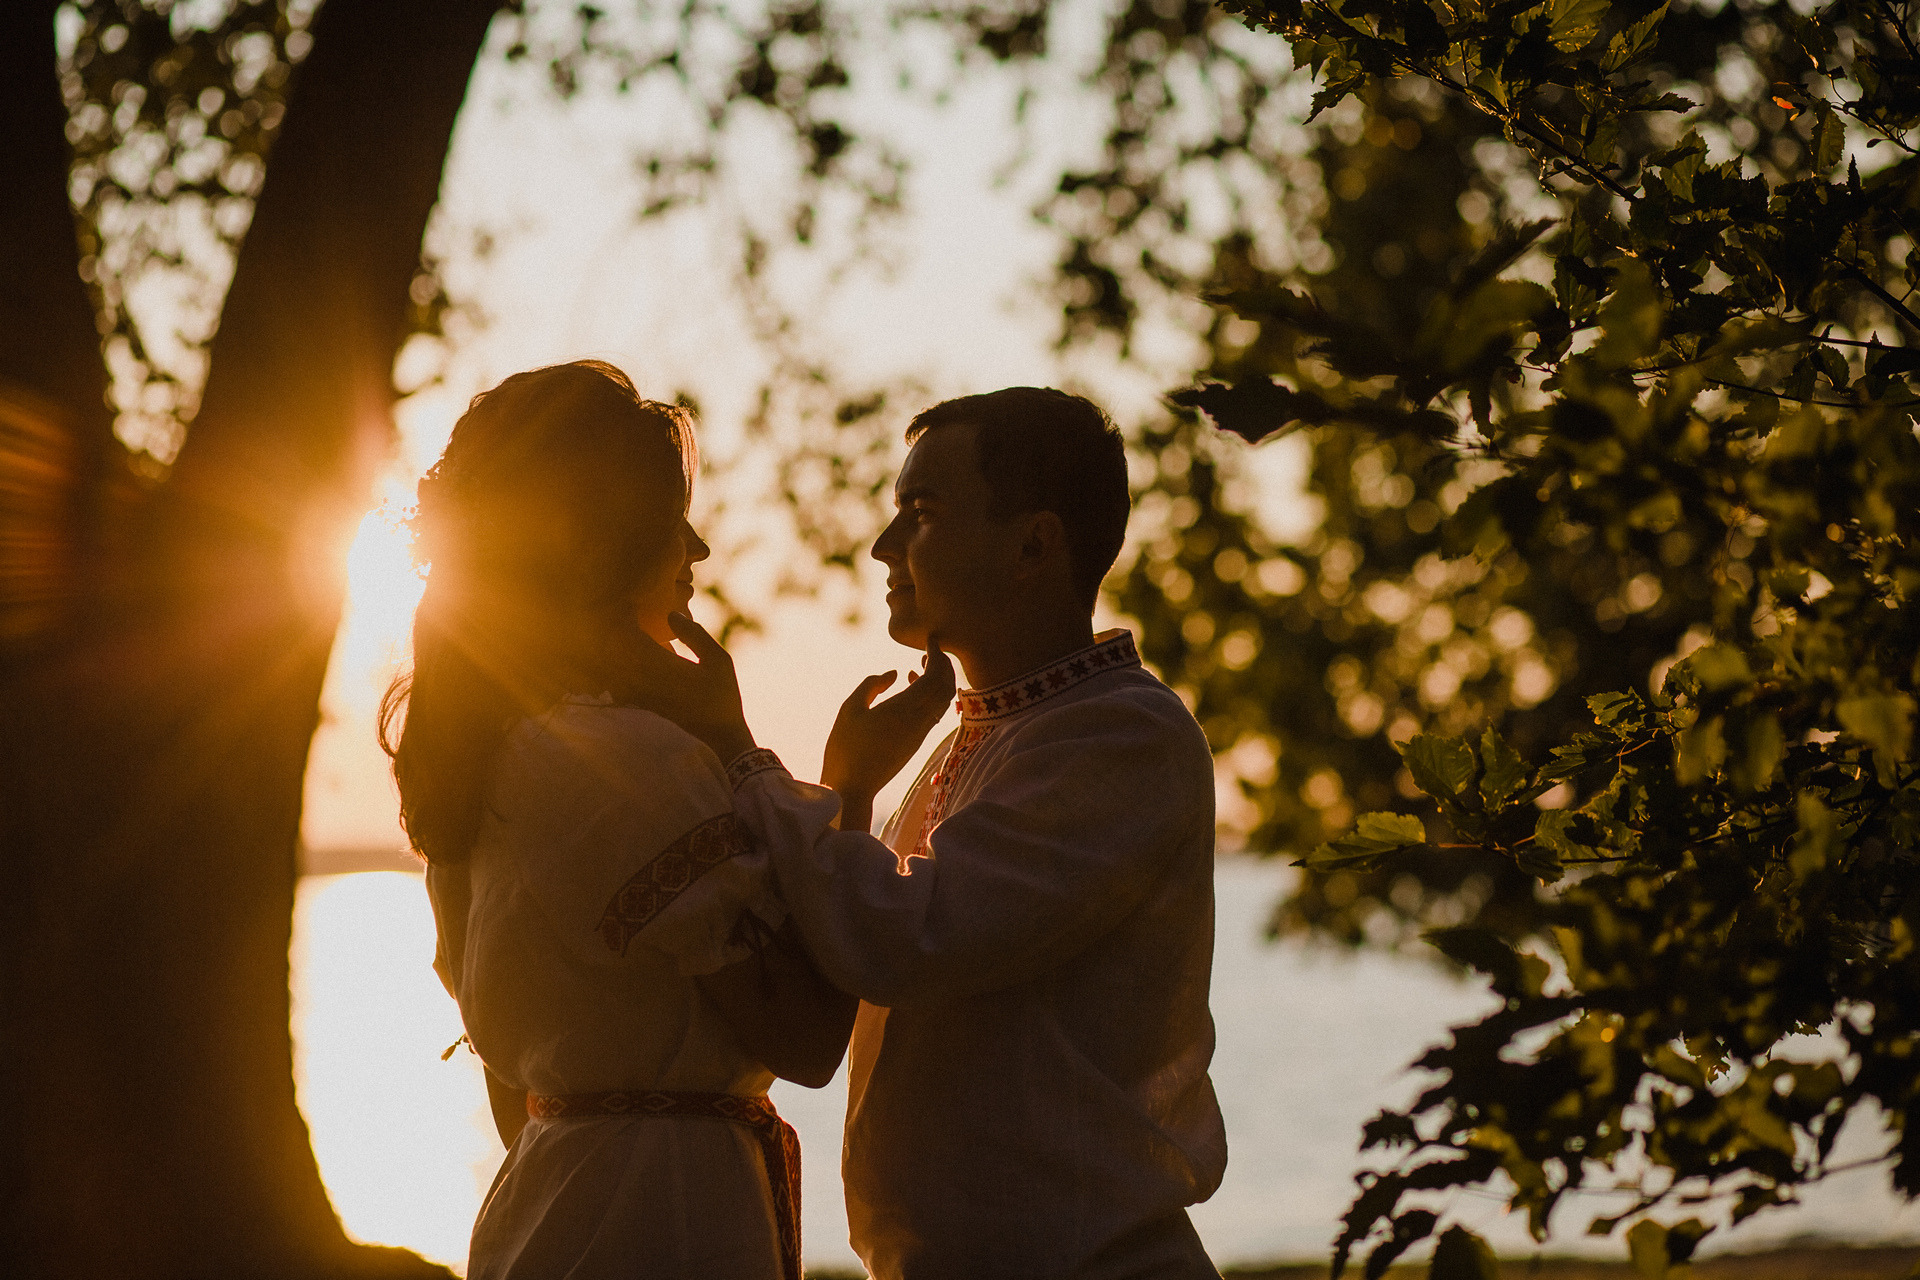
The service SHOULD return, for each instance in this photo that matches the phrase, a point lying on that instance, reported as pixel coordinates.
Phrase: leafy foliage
(1661, 442)
(172, 117)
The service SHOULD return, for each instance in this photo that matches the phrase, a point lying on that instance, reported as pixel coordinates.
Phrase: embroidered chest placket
(984, 711)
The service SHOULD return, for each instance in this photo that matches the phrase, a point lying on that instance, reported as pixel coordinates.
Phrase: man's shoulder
(1131, 705)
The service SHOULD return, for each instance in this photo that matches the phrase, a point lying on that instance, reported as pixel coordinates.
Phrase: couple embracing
(645, 917)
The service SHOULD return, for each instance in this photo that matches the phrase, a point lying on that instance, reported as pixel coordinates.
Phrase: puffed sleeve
(1076, 825)
(622, 828)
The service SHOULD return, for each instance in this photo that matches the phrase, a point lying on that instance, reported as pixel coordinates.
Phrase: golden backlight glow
(350, 802)
(404, 1140)
(382, 590)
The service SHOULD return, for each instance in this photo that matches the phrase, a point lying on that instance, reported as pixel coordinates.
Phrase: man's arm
(1080, 821)
(785, 1014)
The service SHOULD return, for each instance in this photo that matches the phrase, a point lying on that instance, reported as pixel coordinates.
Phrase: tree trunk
(154, 767)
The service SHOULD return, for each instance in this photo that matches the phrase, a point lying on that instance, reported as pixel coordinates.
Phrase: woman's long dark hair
(559, 492)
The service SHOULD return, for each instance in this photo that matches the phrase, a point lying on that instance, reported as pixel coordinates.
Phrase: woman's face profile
(670, 587)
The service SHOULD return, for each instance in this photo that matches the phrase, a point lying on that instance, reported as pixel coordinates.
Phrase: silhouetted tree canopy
(1606, 377)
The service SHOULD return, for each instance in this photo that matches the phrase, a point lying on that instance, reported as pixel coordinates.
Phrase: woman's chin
(907, 629)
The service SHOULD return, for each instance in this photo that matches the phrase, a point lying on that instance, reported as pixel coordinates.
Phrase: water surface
(1310, 1045)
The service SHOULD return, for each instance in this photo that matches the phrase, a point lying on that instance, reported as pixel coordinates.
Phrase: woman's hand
(870, 743)
(702, 697)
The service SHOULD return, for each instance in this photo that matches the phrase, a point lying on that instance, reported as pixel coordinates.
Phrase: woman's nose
(697, 548)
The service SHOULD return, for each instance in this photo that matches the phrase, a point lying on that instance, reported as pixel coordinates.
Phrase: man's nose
(883, 549)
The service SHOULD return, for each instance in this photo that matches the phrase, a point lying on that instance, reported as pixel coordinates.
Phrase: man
(1032, 943)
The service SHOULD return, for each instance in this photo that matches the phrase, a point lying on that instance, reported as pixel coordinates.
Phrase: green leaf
(1815, 39)
(1443, 767)
(1719, 666)
(1573, 24)
(1409, 1229)
(1647, 1246)
(1541, 863)
(1255, 409)
(1559, 831)
(1373, 836)
(1504, 774)
(1630, 319)
(1764, 749)
(1502, 249)
(1570, 758)
(1462, 1255)
(1681, 1239)
(1682, 164)
(1813, 842)
(1833, 365)
(1513, 973)
(1884, 721)
(1829, 138)
(1630, 45)
(1622, 712)
(1493, 315)
(1799, 383)
(1700, 750)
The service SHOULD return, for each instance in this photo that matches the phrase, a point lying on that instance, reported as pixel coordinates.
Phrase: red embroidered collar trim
(1114, 651)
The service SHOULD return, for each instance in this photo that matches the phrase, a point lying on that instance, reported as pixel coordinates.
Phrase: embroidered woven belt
(779, 1144)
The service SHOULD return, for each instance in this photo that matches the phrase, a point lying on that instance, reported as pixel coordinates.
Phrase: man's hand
(702, 697)
(870, 743)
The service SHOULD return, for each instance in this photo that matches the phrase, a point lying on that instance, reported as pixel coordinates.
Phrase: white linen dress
(609, 872)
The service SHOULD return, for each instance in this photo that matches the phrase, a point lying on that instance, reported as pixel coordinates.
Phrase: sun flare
(383, 587)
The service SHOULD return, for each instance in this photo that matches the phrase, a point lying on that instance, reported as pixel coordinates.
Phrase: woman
(611, 938)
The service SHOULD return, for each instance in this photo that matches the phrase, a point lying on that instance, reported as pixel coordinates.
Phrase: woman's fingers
(654, 659)
(940, 666)
(698, 639)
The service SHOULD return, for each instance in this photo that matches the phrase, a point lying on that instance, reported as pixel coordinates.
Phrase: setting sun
(383, 587)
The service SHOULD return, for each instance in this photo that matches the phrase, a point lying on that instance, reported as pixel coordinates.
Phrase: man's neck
(1020, 649)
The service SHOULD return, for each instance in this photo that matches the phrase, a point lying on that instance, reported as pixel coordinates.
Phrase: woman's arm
(784, 1013)
(509, 1107)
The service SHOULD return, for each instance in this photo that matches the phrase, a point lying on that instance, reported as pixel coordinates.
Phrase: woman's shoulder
(597, 743)
(586, 797)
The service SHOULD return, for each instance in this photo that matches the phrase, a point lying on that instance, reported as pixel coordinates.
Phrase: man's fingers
(697, 638)
(872, 687)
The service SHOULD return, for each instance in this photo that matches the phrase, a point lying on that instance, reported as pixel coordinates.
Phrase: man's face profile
(944, 552)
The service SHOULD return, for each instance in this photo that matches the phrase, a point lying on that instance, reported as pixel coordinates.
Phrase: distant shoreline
(1810, 1261)
(349, 861)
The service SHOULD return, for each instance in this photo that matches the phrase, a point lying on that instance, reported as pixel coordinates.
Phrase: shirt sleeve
(623, 831)
(1075, 826)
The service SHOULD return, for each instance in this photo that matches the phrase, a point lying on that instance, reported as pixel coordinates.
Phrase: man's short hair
(1045, 450)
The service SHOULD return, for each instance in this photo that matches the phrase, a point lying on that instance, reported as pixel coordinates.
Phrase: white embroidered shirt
(1033, 943)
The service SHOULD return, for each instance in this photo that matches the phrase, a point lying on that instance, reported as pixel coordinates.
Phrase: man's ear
(1043, 545)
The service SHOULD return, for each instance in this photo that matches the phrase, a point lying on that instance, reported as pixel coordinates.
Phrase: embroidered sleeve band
(748, 763)
(657, 884)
